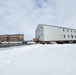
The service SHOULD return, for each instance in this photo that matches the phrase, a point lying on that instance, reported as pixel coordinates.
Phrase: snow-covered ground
(38, 60)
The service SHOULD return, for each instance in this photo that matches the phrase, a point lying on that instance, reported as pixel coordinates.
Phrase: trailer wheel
(59, 42)
(48, 42)
(42, 42)
(24, 42)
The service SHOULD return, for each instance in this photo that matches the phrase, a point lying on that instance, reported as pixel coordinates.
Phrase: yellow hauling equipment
(35, 39)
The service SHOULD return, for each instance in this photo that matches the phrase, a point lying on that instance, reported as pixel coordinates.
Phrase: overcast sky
(23, 16)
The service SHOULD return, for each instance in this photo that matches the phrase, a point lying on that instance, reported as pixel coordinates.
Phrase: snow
(38, 60)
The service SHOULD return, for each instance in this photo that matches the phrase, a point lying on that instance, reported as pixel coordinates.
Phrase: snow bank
(38, 60)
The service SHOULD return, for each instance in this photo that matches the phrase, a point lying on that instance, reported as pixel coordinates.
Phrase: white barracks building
(49, 33)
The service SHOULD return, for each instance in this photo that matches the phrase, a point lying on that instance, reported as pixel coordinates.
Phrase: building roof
(57, 26)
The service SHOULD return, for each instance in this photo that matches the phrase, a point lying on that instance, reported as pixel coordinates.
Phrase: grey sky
(23, 16)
